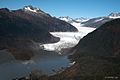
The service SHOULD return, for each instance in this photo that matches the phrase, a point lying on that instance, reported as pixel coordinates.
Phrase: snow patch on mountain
(32, 10)
(72, 20)
(66, 18)
(81, 19)
(114, 15)
(99, 20)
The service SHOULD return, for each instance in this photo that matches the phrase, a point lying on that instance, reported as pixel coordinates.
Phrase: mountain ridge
(90, 22)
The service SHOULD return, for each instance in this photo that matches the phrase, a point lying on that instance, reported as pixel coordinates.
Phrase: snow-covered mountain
(72, 20)
(114, 15)
(82, 19)
(93, 22)
(35, 11)
(66, 18)
(54, 24)
(32, 9)
(98, 21)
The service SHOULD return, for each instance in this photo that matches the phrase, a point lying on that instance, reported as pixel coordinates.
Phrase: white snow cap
(35, 10)
(66, 18)
(82, 19)
(114, 15)
(31, 8)
(72, 20)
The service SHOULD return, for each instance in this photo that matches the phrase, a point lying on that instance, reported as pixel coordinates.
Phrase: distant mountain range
(71, 20)
(93, 22)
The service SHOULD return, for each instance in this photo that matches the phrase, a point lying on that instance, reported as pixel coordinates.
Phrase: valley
(49, 61)
(35, 45)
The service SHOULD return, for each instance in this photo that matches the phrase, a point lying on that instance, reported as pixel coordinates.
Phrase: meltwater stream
(46, 63)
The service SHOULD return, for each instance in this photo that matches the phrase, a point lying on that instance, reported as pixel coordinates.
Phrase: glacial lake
(45, 63)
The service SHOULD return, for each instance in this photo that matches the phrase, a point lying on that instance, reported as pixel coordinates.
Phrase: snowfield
(68, 39)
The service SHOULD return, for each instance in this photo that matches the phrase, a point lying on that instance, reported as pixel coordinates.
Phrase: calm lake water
(46, 63)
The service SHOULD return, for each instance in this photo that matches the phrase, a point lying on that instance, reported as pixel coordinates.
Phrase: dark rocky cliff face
(105, 41)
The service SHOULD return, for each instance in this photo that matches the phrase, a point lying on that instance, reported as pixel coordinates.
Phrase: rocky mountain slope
(71, 20)
(39, 17)
(97, 55)
(97, 22)
(92, 22)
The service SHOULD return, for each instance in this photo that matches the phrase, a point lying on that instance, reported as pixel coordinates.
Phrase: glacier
(68, 39)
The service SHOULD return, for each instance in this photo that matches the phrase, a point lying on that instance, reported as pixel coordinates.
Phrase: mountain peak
(114, 15)
(4, 9)
(71, 20)
(81, 19)
(32, 9)
(66, 18)
(35, 10)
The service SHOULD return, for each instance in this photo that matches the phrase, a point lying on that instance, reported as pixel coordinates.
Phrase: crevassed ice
(67, 39)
